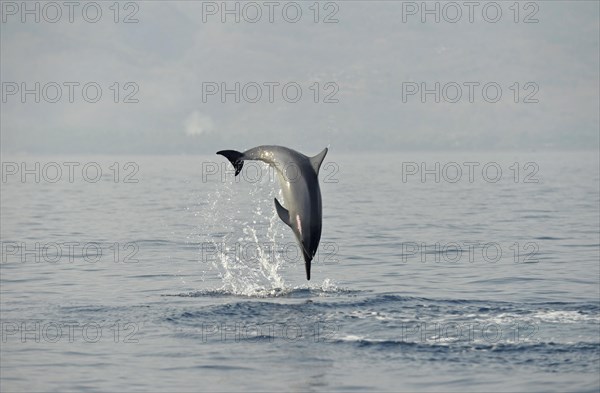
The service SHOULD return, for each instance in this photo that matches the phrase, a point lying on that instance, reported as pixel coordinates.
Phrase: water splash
(242, 253)
(326, 289)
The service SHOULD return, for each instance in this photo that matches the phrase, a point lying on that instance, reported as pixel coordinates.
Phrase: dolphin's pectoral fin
(283, 213)
(317, 160)
(235, 157)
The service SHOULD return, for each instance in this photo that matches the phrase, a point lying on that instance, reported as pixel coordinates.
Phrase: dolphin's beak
(307, 261)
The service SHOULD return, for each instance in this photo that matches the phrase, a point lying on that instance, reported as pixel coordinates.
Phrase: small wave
(326, 288)
(554, 316)
(462, 345)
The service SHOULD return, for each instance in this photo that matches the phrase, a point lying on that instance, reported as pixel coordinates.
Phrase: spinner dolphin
(299, 179)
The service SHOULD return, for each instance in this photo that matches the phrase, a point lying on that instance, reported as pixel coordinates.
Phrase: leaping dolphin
(299, 179)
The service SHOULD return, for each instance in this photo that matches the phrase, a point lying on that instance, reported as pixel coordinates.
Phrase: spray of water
(239, 238)
(239, 231)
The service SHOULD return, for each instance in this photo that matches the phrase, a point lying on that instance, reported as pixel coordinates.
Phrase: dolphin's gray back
(297, 177)
(280, 157)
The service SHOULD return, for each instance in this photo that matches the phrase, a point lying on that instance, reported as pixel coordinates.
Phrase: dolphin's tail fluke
(235, 157)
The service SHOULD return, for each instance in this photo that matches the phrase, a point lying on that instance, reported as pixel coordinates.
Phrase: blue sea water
(169, 275)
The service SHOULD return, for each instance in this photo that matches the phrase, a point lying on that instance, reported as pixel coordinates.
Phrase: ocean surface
(436, 272)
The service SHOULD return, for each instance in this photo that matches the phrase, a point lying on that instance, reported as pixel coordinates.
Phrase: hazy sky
(370, 61)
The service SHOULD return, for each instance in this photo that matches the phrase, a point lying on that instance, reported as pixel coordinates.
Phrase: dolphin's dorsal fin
(317, 160)
(283, 213)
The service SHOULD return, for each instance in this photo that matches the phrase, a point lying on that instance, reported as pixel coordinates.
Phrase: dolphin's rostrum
(299, 179)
